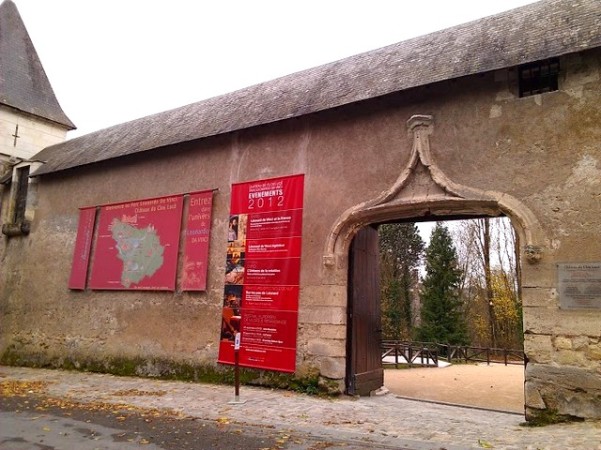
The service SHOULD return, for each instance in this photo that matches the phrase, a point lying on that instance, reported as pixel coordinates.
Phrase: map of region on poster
(137, 245)
(139, 249)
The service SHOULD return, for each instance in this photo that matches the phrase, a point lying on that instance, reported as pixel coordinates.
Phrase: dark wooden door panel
(364, 365)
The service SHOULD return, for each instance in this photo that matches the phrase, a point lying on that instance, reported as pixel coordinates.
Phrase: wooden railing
(410, 353)
(481, 354)
(427, 354)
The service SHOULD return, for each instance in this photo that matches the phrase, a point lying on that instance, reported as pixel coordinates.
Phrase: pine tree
(441, 313)
(401, 249)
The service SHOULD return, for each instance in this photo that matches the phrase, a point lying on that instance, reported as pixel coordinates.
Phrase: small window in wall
(21, 194)
(17, 223)
(539, 77)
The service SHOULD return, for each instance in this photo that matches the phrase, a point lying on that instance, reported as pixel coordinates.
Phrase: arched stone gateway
(423, 190)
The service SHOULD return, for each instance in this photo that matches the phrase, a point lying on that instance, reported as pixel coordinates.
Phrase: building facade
(497, 117)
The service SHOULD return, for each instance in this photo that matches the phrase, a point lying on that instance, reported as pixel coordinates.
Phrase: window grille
(539, 77)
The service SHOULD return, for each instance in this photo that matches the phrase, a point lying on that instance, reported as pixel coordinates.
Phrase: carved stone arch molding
(421, 190)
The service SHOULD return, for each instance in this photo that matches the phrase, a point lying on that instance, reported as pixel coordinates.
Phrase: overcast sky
(110, 61)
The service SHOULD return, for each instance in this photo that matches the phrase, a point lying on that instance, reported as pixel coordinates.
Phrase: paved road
(376, 422)
(29, 423)
(32, 421)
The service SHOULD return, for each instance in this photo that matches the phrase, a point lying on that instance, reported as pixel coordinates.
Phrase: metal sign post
(237, 400)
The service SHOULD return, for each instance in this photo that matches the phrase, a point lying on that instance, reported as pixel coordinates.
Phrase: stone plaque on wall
(579, 285)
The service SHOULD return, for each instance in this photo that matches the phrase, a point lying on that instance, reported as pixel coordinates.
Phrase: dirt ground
(495, 387)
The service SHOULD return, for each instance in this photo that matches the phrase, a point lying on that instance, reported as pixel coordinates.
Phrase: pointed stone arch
(423, 190)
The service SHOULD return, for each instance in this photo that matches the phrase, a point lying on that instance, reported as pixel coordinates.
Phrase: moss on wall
(310, 383)
(549, 416)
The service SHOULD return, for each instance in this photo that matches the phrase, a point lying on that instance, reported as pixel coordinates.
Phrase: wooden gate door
(364, 358)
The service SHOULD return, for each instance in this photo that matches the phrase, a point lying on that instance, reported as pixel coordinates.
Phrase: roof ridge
(540, 30)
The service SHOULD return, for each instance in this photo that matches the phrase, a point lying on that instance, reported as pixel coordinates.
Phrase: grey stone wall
(535, 159)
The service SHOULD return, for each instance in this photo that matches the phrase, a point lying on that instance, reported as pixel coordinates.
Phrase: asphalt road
(35, 422)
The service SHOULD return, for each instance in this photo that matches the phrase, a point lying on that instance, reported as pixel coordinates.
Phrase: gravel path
(496, 387)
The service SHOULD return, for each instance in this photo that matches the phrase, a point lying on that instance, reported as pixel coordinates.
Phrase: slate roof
(23, 82)
(537, 31)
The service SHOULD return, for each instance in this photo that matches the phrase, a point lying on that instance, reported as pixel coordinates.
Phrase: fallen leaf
(21, 388)
(139, 393)
(482, 443)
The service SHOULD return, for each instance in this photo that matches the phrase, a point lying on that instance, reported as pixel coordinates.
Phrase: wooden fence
(411, 353)
(427, 354)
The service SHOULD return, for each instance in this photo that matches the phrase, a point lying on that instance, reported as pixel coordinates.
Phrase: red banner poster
(273, 224)
(196, 244)
(276, 194)
(260, 357)
(282, 271)
(269, 328)
(262, 273)
(271, 297)
(137, 245)
(279, 247)
(83, 244)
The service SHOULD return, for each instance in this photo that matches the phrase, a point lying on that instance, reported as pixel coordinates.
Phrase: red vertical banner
(83, 244)
(196, 243)
(262, 273)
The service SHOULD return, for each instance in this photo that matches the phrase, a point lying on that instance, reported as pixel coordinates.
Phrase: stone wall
(482, 150)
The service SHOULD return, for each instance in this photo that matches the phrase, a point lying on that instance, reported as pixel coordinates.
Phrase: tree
(488, 254)
(401, 249)
(507, 316)
(442, 313)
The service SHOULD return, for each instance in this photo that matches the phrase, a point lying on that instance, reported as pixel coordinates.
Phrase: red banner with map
(196, 243)
(137, 245)
(83, 244)
(262, 273)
